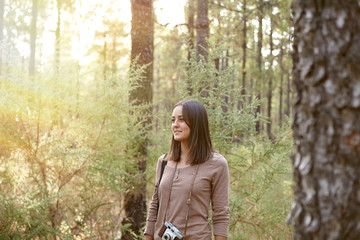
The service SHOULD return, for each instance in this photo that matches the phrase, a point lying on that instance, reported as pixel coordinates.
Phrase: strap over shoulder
(163, 164)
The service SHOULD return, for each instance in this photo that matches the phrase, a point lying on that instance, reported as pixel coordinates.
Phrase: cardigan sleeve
(220, 198)
(153, 209)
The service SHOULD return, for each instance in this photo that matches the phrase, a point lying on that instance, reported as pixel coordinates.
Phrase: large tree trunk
(142, 45)
(202, 35)
(326, 127)
(202, 30)
(33, 34)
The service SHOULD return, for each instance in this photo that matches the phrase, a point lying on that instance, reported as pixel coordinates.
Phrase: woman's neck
(184, 153)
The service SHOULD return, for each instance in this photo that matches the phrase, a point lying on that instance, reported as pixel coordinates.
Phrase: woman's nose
(175, 123)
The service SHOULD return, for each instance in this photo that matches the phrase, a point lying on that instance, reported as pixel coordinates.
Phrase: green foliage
(260, 187)
(231, 117)
(63, 158)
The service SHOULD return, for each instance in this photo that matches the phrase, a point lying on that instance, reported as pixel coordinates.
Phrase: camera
(170, 232)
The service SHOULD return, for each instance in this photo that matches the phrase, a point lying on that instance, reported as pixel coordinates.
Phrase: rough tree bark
(202, 35)
(142, 45)
(326, 161)
(202, 29)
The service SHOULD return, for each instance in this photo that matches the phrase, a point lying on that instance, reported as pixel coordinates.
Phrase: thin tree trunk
(288, 92)
(105, 58)
(281, 84)
(226, 97)
(288, 89)
(326, 161)
(270, 79)
(77, 89)
(191, 26)
(2, 6)
(244, 48)
(33, 34)
(259, 61)
(252, 87)
(191, 30)
(58, 37)
(114, 54)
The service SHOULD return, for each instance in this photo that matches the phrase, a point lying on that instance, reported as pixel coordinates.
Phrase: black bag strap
(163, 164)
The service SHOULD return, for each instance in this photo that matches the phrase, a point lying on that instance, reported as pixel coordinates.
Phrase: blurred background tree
(326, 121)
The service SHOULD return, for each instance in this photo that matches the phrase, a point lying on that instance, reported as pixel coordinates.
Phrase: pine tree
(326, 127)
(142, 33)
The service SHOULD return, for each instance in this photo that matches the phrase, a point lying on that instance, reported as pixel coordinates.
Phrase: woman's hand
(148, 237)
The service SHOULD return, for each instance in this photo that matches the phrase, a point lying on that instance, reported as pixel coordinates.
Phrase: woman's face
(180, 130)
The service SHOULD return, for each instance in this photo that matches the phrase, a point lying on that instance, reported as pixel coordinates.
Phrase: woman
(195, 177)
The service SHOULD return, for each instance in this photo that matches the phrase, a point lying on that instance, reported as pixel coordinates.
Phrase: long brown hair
(200, 146)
